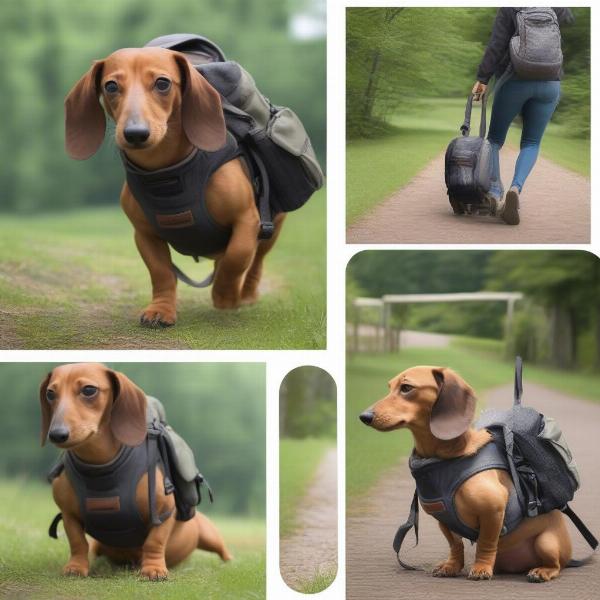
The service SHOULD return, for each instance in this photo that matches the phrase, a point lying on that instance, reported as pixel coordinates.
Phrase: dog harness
(107, 493)
(437, 481)
(174, 200)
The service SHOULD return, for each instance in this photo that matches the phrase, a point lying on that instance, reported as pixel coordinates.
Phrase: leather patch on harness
(175, 221)
(94, 504)
(433, 507)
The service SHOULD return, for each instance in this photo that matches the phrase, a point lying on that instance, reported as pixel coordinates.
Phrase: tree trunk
(562, 338)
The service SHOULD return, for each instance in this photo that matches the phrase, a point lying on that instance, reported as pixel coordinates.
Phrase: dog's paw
(448, 568)
(76, 569)
(541, 575)
(226, 302)
(480, 572)
(157, 317)
(154, 572)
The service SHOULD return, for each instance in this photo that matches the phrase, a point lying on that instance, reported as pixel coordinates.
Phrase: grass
(30, 561)
(369, 453)
(375, 168)
(321, 581)
(75, 280)
(298, 462)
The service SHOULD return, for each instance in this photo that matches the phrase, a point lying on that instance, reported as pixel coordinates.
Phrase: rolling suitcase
(468, 166)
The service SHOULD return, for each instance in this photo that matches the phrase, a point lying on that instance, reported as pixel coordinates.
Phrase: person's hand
(478, 90)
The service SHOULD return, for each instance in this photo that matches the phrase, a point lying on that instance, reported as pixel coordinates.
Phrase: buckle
(266, 230)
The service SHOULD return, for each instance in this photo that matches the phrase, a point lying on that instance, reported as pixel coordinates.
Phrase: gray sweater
(496, 57)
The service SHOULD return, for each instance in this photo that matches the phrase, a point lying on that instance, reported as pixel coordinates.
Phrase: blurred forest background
(557, 323)
(408, 74)
(45, 47)
(218, 408)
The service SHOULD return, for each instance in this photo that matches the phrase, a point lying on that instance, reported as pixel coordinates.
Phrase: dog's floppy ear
(85, 123)
(201, 111)
(453, 410)
(128, 413)
(46, 412)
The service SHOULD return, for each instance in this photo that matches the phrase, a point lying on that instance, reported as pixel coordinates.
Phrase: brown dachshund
(437, 406)
(163, 108)
(91, 411)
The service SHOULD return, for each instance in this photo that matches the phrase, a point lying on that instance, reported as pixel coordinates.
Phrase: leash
(188, 280)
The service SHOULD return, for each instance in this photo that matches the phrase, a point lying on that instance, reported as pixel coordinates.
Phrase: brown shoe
(508, 209)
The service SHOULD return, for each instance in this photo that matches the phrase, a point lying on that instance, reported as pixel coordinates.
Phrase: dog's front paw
(541, 574)
(154, 572)
(158, 316)
(448, 568)
(226, 301)
(75, 568)
(480, 572)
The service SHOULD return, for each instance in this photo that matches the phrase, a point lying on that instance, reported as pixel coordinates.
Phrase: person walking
(523, 86)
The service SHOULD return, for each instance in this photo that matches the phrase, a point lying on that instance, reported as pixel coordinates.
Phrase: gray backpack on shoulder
(273, 135)
(535, 49)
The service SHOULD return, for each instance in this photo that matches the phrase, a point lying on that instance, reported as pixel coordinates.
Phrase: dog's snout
(58, 435)
(136, 132)
(367, 417)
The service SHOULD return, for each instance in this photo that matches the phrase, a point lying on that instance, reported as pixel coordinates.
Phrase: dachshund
(163, 109)
(437, 406)
(91, 411)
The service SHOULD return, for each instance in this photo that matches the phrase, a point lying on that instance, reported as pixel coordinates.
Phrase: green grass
(375, 168)
(75, 280)
(298, 462)
(321, 581)
(31, 562)
(479, 361)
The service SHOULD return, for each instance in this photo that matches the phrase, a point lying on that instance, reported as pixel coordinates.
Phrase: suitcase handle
(465, 128)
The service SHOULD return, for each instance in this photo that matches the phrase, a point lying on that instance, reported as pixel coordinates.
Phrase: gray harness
(437, 481)
(107, 493)
(174, 200)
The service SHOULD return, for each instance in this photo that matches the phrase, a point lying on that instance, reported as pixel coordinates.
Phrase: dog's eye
(162, 84)
(89, 391)
(50, 396)
(111, 87)
(405, 388)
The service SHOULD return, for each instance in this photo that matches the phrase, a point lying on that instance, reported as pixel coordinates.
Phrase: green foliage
(76, 280)
(396, 56)
(298, 463)
(307, 404)
(32, 561)
(48, 46)
(204, 404)
(562, 289)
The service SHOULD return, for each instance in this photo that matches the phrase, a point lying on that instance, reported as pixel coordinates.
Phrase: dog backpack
(273, 135)
(107, 493)
(528, 445)
(535, 49)
(468, 165)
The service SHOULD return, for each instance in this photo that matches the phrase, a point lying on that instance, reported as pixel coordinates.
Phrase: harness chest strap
(97, 505)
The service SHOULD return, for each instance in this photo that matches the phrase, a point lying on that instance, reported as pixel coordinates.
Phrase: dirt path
(371, 568)
(555, 209)
(313, 549)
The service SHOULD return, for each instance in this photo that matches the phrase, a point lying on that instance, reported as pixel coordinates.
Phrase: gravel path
(313, 549)
(371, 568)
(555, 209)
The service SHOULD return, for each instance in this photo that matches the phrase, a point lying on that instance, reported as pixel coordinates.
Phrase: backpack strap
(583, 530)
(53, 529)
(412, 521)
(153, 459)
(518, 380)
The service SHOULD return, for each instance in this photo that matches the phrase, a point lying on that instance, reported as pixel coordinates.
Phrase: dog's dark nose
(136, 133)
(58, 435)
(366, 417)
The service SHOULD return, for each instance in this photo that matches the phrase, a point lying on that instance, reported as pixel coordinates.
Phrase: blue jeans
(536, 102)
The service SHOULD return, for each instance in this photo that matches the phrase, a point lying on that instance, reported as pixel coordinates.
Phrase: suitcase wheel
(457, 207)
